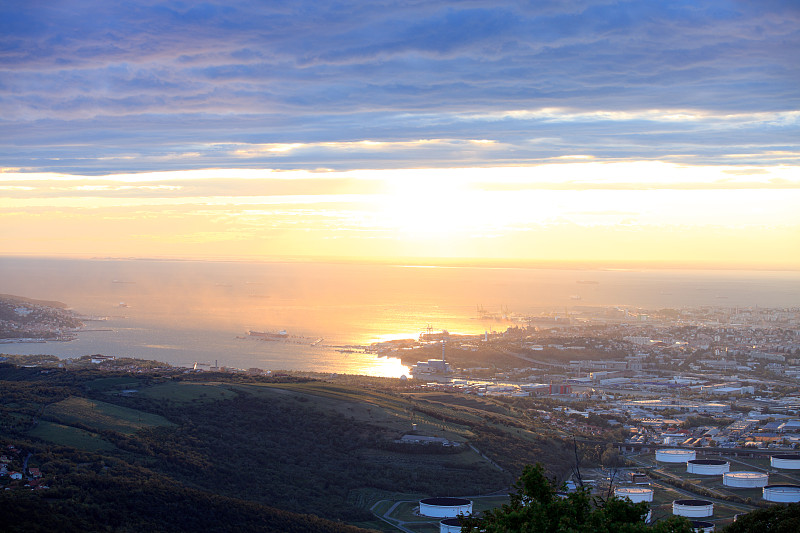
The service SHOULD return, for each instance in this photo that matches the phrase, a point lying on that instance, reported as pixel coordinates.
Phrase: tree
(775, 519)
(537, 506)
(611, 458)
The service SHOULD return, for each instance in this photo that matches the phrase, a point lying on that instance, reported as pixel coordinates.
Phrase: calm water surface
(185, 312)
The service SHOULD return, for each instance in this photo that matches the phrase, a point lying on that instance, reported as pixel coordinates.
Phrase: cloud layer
(106, 87)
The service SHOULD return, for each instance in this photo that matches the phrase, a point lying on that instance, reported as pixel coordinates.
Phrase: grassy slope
(102, 416)
(70, 436)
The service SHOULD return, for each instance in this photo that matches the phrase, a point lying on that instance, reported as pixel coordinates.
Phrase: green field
(102, 416)
(70, 436)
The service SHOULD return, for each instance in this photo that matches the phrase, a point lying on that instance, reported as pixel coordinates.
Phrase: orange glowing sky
(574, 211)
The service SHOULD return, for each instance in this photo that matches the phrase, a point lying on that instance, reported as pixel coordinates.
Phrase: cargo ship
(269, 335)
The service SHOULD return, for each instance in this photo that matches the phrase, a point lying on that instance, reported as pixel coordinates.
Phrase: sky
(602, 132)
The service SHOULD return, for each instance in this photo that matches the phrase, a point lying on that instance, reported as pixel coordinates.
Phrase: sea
(200, 312)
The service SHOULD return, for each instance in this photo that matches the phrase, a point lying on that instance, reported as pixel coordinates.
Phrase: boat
(269, 335)
(429, 335)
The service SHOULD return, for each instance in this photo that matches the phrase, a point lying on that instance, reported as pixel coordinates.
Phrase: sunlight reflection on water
(183, 312)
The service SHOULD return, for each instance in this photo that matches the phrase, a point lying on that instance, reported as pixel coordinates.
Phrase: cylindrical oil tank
(450, 525)
(634, 494)
(788, 461)
(782, 493)
(693, 508)
(701, 526)
(745, 479)
(675, 455)
(445, 507)
(708, 467)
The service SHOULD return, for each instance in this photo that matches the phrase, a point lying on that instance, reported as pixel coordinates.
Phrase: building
(431, 366)
(562, 388)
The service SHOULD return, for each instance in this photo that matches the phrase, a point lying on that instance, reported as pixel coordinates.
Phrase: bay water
(186, 312)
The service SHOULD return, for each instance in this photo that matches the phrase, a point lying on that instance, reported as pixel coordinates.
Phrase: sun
(423, 206)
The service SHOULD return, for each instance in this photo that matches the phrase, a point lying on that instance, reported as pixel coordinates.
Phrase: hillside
(264, 446)
(26, 318)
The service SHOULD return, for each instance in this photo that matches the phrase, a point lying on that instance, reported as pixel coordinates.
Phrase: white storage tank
(788, 461)
(744, 480)
(693, 508)
(782, 493)
(675, 455)
(708, 467)
(450, 525)
(445, 507)
(634, 494)
(701, 526)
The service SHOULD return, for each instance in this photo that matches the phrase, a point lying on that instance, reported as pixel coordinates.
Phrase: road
(401, 524)
(391, 521)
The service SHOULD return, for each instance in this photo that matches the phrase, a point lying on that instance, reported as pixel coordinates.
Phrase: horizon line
(434, 262)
